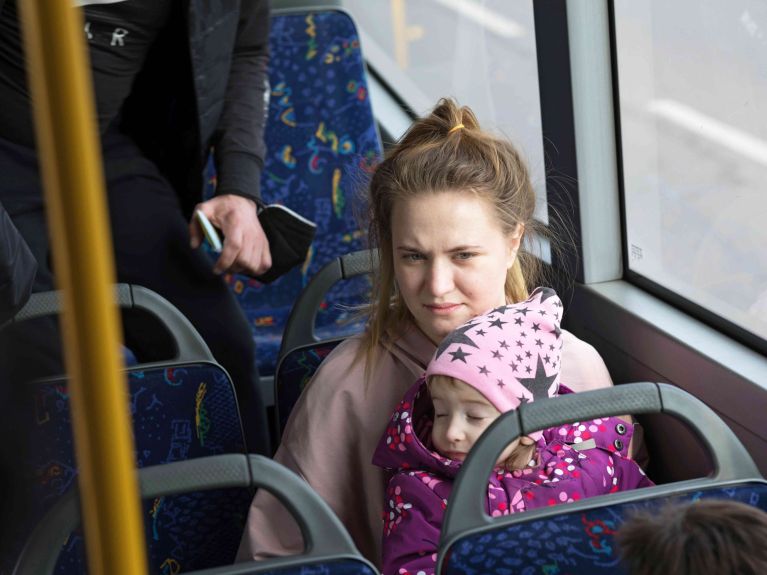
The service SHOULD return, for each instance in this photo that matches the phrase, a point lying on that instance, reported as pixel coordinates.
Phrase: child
(490, 365)
(706, 537)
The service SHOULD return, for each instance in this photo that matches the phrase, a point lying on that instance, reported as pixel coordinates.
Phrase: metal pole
(69, 154)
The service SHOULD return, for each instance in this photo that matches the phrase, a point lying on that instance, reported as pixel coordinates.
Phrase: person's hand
(246, 249)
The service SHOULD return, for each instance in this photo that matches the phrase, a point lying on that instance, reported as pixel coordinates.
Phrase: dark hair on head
(447, 151)
(704, 537)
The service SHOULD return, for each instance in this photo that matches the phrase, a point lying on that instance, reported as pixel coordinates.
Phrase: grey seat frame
(325, 537)
(466, 515)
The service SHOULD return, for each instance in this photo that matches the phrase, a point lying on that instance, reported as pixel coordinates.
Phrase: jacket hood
(406, 444)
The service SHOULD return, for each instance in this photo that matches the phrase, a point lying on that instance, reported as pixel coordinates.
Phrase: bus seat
(293, 373)
(180, 410)
(303, 347)
(329, 548)
(306, 313)
(321, 142)
(578, 537)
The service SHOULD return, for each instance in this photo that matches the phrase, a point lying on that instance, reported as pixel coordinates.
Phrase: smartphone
(210, 232)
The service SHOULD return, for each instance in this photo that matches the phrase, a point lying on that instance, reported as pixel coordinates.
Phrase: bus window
(694, 137)
(480, 52)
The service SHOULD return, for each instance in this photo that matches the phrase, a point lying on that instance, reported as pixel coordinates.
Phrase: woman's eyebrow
(464, 248)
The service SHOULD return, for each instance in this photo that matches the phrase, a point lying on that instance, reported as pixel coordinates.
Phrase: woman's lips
(442, 308)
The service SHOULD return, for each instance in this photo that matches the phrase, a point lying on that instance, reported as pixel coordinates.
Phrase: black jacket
(205, 85)
(17, 269)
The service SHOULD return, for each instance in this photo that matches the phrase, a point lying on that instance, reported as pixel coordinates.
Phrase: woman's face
(450, 258)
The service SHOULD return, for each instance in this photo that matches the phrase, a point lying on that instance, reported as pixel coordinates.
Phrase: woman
(448, 210)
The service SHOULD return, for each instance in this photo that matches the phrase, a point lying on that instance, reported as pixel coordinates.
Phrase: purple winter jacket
(418, 492)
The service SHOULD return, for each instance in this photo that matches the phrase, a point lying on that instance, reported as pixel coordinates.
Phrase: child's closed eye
(476, 417)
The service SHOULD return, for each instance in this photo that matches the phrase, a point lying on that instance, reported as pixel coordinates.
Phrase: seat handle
(299, 329)
(324, 534)
(190, 347)
(466, 508)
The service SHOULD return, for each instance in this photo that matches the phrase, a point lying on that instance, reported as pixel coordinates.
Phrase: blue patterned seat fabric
(322, 142)
(335, 567)
(294, 372)
(580, 542)
(178, 413)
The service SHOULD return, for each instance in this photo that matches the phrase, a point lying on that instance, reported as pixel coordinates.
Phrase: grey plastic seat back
(189, 345)
(326, 540)
(468, 532)
(300, 327)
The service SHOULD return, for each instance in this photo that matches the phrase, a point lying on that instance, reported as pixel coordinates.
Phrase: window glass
(693, 82)
(481, 52)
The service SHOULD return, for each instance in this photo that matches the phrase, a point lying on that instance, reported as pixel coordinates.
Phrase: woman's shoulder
(343, 366)
(400, 357)
(583, 368)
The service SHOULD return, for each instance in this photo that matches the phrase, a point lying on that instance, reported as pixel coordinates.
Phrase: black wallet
(290, 235)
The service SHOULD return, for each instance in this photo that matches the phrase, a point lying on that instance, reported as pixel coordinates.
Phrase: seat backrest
(578, 537)
(293, 373)
(328, 547)
(303, 347)
(321, 139)
(577, 542)
(180, 410)
(302, 328)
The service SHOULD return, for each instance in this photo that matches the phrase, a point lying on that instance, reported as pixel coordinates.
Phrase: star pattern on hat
(513, 359)
(539, 384)
(498, 323)
(457, 336)
(501, 309)
(458, 354)
(546, 293)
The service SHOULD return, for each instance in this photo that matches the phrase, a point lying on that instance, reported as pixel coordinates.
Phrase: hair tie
(455, 128)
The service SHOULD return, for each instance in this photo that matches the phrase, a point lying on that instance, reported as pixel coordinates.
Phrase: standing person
(449, 207)
(173, 81)
(490, 365)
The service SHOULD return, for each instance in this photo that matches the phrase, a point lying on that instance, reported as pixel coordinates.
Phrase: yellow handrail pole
(70, 159)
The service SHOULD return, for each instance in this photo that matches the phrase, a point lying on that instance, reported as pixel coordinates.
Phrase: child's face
(461, 414)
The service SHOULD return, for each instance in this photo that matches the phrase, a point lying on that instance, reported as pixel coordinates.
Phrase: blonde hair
(521, 456)
(445, 151)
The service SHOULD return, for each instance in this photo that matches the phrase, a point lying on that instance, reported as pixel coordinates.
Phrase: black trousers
(151, 243)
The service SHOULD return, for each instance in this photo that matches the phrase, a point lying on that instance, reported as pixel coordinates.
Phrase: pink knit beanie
(511, 354)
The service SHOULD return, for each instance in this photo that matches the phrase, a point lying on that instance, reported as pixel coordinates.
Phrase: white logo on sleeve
(118, 37)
